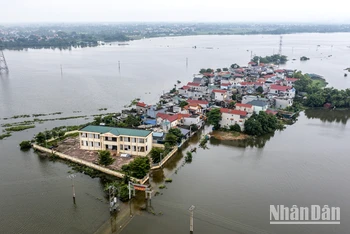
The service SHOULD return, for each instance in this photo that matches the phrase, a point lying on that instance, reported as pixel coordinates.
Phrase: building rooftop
(244, 105)
(257, 103)
(116, 131)
(233, 112)
(279, 87)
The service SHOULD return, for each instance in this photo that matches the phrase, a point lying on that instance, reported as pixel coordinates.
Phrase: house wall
(140, 109)
(257, 109)
(137, 146)
(247, 109)
(187, 121)
(230, 119)
(219, 96)
(283, 103)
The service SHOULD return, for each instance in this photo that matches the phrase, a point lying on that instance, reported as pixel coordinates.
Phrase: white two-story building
(117, 140)
(231, 117)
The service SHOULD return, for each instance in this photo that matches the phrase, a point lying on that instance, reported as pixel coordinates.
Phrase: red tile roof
(291, 79)
(170, 118)
(280, 70)
(233, 112)
(247, 83)
(271, 112)
(200, 102)
(244, 105)
(219, 91)
(141, 104)
(269, 76)
(185, 87)
(251, 63)
(225, 84)
(279, 87)
(193, 84)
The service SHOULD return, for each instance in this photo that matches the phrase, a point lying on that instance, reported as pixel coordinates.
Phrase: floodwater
(232, 185)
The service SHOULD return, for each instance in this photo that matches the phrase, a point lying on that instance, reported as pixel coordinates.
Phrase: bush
(105, 158)
(162, 186)
(235, 128)
(156, 154)
(168, 180)
(188, 157)
(25, 145)
(138, 168)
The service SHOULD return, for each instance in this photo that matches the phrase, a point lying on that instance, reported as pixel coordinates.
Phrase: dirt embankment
(228, 136)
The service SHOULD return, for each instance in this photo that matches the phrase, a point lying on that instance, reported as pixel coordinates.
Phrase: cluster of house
(188, 105)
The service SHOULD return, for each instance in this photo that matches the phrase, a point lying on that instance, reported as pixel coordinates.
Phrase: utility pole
(71, 176)
(191, 209)
(3, 64)
(119, 66)
(61, 71)
(280, 49)
(186, 62)
(113, 202)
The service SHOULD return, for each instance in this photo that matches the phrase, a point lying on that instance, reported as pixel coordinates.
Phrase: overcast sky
(13, 11)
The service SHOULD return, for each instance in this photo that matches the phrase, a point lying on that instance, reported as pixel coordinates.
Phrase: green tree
(303, 83)
(235, 66)
(183, 104)
(260, 89)
(225, 69)
(260, 124)
(138, 168)
(218, 70)
(124, 193)
(176, 132)
(105, 158)
(40, 138)
(156, 154)
(97, 120)
(61, 134)
(214, 117)
(209, 70)
(25, 145)
(203, 70)
(232, 104)
(171, 139)
(235, 128)
(132, 121)
(315, 100)
(194, 127)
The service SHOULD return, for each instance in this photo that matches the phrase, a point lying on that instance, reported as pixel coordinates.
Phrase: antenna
(280, 48)
(3, 64)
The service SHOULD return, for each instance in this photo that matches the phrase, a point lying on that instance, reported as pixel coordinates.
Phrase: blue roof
(151, 122)
(184, 131)
(116, 131)
(158, 134)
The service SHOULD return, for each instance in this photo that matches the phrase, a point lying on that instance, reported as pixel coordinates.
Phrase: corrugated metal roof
(116, 131)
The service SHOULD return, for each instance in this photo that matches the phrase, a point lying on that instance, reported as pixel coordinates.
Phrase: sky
(34, 11)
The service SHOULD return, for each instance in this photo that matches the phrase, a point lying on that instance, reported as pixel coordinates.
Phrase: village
(144, 136)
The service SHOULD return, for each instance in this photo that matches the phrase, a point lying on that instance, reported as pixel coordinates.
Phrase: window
(133, 140)
(121, 146)
(141, 141)
(92, 144)
(134, 148)
(98, 144)
(82, 142)
(121, 138)
(86, 143)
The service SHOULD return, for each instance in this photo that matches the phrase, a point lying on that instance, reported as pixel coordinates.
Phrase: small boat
(345, 75)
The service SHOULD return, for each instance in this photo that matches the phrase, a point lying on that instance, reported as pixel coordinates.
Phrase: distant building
(220, 95)
(117, 140)
(245, 107)
(282, 91)
(282, 103)
(141, 108)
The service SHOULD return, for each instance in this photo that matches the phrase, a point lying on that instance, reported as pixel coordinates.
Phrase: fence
(86, 163)
(164, 160)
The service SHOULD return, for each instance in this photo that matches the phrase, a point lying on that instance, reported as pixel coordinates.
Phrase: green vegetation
(260, 89)
(162, 186)
(25, 145)
(317, 95)
(102, 109)
(214, 117)
(276, 58)
(105, 158)
(218, 69)
(225, 69)
(5, 135)
(235, 66)
(235, 128)
(174, 136)
(20, 116)
(194, 127)
(19, 128)
(156, 154)
(188, 157)
(168, 180)
(208, 70)
(55, 113)
(304, 58)
(261, 124)
(137, 168)
(183, 104)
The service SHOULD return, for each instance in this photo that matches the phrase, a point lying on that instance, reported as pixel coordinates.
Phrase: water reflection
(339, 116)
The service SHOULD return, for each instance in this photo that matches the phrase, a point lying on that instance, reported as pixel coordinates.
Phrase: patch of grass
(168, 180)
(3, 136)
(236, 134)
(19, 128)
(20, 116)
(102, 109)
(162, 186)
